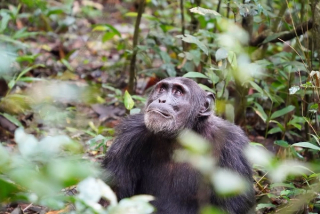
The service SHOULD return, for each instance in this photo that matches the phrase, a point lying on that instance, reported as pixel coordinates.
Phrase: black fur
(140, 161)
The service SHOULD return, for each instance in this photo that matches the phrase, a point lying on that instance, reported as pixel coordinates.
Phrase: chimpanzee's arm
(232, 157)
(122, 162)
(228, 142)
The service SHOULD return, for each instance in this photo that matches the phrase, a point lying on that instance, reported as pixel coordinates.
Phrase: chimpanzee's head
(175, 104)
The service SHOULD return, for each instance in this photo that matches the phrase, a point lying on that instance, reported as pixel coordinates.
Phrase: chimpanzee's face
(173, 105)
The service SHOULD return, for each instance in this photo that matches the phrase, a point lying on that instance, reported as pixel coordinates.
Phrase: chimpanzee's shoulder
(229, 130)
(133, 124)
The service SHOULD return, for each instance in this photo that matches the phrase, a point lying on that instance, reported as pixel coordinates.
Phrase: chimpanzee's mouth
(164, 114)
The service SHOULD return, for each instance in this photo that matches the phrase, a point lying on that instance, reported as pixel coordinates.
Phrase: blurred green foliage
(38, 170)
(277, 82)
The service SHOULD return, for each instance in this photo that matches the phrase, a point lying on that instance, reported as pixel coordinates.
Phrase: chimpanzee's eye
(161, 89)
(177, 92)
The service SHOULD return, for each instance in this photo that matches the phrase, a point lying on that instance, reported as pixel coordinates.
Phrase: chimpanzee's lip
(164, 114)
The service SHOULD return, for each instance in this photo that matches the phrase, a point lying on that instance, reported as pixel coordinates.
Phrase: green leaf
(169, 67)
(274, 130)
(128, 101)
(67, 64)
(257, 87)
(221, 54)
(92, 142)
(296, 154)
(54, 11)
(191, 39)
(212, 76)
(282, 111)
(282, 185)
(220, 87)
(307, 145)
(315, 138)
(23, 34)
(8, 39)
(256, 144)
(232, 59)
(294, 89)
(150, 17)
(131, 14)
(196, 56)
(314, 106)
(259, 111)
(146, 16)
(286, 192)
(165, 57)
(27, 143)
(282, 143)
(8, 189)
(107, 36)
(29, 69)
(298, 126)
(135, 111)
(5, 18)
(136, 204)
(195, 75)
(279, 124)
(227, 182)
(206, 88)
(27, 58)
(203, 11)
(193, 142)
(91, 190)
(107, 27)
(30, 79)
(12, 119)
(262, 206)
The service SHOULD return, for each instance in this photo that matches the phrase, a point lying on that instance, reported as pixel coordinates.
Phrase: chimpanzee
(140, 159)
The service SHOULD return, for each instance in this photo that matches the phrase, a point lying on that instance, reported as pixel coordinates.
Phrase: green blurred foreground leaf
(277, 170)
(128, 101)
(41, 169)
(227, 182)
(203, 11)
(197, 152)
(294, 89)
(91, 190)
(307, 145)
(195, 75)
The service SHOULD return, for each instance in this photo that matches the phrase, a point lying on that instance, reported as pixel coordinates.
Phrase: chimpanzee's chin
(160, 126)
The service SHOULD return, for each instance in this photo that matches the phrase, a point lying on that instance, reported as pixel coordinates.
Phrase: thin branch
(132, 73)
(218, 6)
(182, 24)
(285, 36)
(228, 9)
(279, 17)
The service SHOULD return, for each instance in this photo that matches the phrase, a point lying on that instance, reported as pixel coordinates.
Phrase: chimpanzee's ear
(206, 109)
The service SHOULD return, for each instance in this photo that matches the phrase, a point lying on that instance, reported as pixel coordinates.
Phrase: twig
(27, 207)
(132, 73)
(294, 51)
(182, 24)
(228, 9)
(285, 36)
